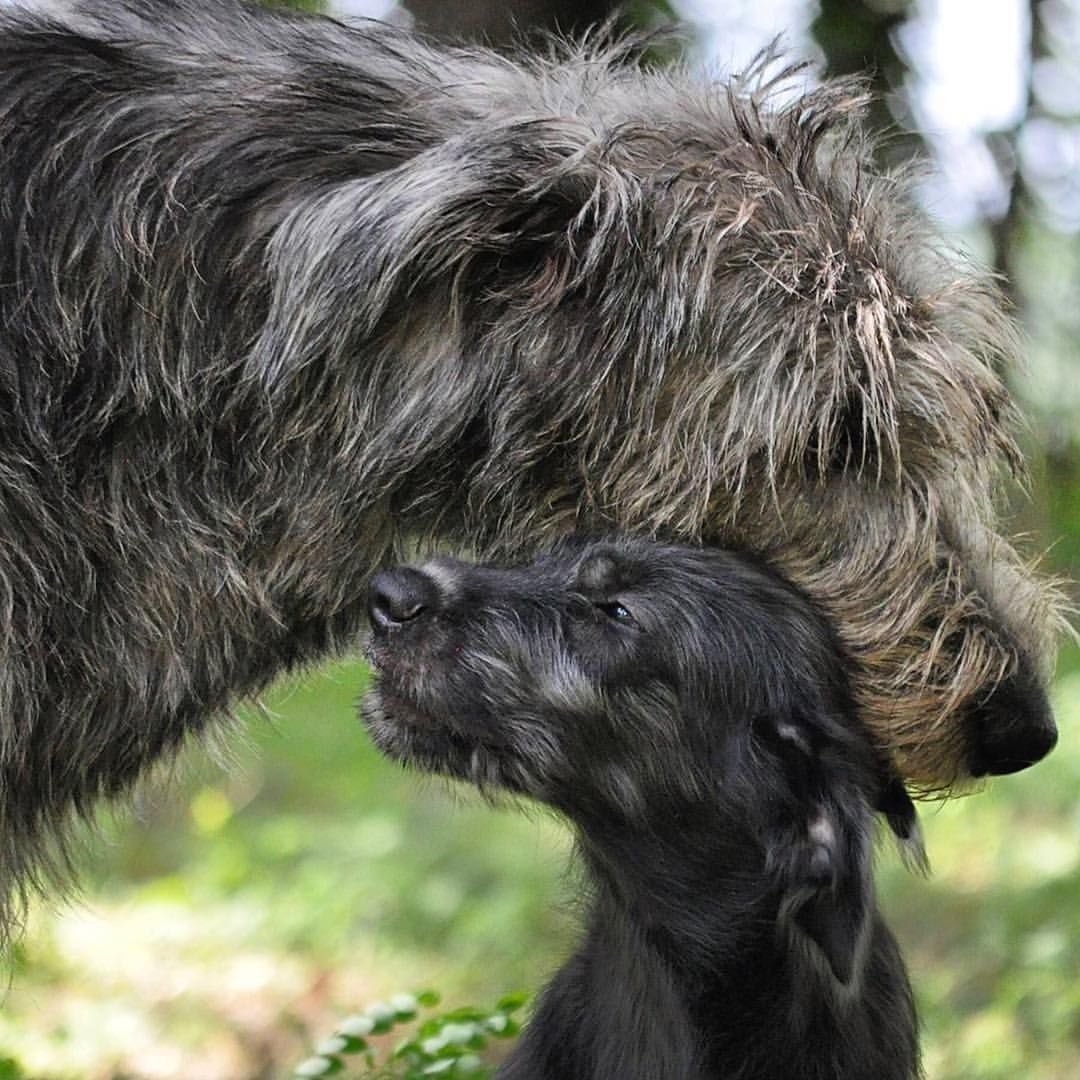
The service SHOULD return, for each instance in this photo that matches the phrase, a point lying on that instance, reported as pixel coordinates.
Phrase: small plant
(446, 1045)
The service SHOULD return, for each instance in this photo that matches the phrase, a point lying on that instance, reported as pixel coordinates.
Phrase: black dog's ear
(895, 803)
(819, 847)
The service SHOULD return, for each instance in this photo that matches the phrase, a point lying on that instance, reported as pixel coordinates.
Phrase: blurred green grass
(258, 896)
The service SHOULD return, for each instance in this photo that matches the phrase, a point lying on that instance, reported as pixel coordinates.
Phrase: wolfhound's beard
(280, 297)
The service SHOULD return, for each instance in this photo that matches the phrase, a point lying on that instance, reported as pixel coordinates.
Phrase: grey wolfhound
(282, 298)
(689, 712)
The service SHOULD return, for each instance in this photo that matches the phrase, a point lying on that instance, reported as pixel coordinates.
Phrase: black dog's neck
(707, 977)
(678, 888)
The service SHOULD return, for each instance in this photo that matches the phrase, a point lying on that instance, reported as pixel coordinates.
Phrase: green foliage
(448, 1044)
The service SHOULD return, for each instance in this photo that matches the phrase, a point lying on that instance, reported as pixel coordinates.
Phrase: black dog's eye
(614, 610)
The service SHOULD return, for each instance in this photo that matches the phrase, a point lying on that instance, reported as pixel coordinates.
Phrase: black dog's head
(641, 687)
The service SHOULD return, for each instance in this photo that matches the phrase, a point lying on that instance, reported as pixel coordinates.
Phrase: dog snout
(1012, 727)
(400, 596)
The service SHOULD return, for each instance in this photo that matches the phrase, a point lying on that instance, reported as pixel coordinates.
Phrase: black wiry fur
(280, 298)
(689, 713)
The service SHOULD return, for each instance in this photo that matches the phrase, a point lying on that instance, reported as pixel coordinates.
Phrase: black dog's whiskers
(688, 711)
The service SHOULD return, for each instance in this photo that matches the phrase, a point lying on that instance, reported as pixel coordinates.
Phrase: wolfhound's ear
(461, 223)
(819, 848)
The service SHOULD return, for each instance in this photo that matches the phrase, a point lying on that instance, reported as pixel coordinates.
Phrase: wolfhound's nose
(399, 596)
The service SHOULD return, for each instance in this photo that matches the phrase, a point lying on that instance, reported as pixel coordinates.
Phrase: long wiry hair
(281, 297)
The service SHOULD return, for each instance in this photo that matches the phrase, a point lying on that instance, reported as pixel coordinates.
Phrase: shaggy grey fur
(280, 298)
(688, 712)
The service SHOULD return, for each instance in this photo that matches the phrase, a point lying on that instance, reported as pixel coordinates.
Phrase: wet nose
(400, 596)
(1012, 728)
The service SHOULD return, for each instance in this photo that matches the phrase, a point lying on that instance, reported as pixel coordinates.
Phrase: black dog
(688, 710)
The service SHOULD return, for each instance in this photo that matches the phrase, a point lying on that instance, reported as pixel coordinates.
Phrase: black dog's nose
(399, 596)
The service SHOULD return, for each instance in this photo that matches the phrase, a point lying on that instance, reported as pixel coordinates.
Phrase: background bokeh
(271, 885)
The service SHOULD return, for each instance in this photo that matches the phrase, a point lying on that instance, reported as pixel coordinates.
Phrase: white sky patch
(732, 32)
(364, 9)
(971, 58)
(969, 74)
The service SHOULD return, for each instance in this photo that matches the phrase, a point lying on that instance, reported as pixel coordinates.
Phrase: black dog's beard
(406, 732)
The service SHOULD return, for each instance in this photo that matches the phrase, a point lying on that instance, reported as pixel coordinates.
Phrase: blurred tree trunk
(1006, 233)
(858, 37)
(1054, 454)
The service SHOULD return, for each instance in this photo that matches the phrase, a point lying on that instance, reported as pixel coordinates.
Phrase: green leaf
(356, 1027)
(459, 1034)
(466, 1014)
(502, 1025)
(340, 1044)
(433, 1046)
(318, 1066)
(509, 1003)
(404, 1006)
(436, 1068)
(382, 1016)
(406, 1048)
